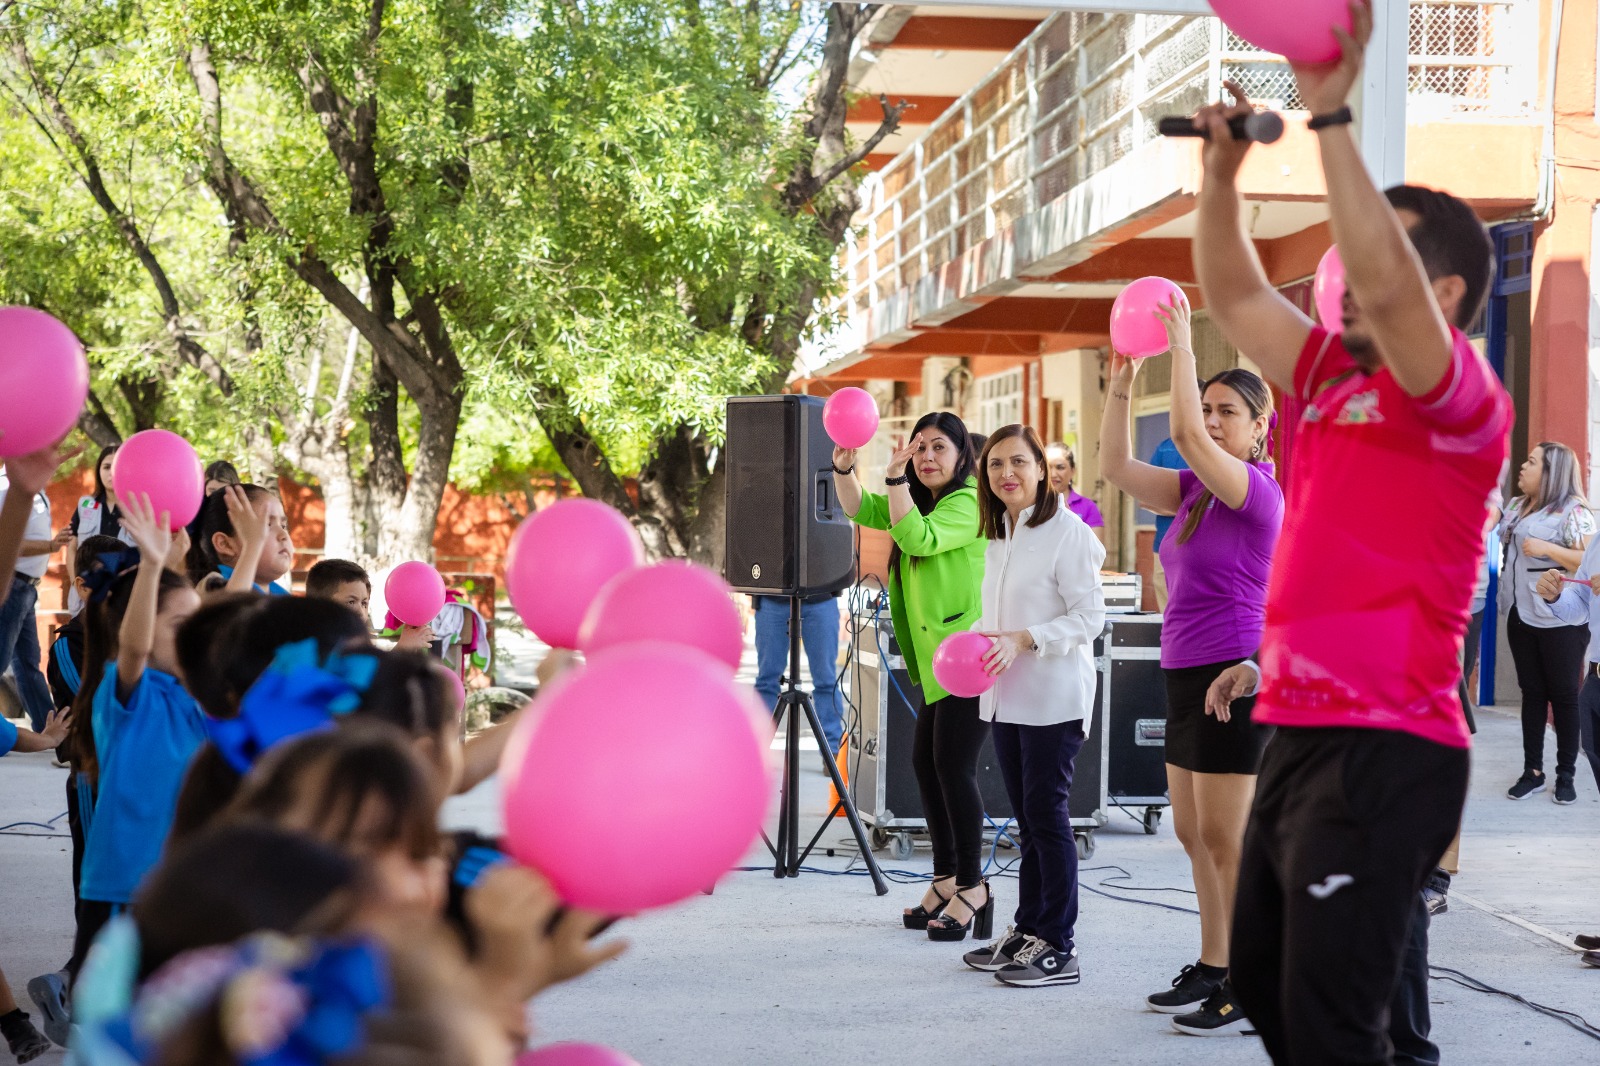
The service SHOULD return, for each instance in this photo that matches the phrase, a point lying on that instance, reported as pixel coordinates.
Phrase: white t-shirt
(38, 529)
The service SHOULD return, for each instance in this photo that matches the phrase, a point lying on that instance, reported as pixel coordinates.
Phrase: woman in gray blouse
(1546, 528)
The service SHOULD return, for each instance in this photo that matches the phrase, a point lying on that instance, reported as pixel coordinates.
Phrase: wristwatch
(903, 479)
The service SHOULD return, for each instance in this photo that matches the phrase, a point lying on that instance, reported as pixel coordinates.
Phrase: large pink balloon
(958, 664)
(414, 593)
(639, 779)
(1135, 330)
(43, 380)
(559, 560)
(162, 465)
(674, 601)
(851, 417)
(1299, 30)
(574, 1055)
(1329, 290)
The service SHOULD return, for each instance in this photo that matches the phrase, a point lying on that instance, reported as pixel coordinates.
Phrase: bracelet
(1342, 117)
(903, 479)
(845, 473)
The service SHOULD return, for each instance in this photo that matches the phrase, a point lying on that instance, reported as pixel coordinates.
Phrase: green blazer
(942, 591)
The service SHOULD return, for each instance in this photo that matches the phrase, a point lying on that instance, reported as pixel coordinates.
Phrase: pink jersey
(1367, 604)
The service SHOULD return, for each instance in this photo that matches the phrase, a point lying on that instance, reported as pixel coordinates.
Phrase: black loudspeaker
(787, 535)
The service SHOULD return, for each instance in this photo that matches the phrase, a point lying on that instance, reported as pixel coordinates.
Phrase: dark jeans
(19, 649)
(1549, 670)
(1410, 1018)
(1347, 824)
(1589, 720)
(1036, 762)
(1471, 646)
(819, 636)
(944, 754)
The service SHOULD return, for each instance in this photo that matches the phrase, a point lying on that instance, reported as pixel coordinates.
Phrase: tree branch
(890, 123)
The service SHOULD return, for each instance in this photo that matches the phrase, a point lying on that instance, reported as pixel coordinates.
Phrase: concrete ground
(817, 970)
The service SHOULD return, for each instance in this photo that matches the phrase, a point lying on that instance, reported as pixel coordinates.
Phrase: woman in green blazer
(930, 508)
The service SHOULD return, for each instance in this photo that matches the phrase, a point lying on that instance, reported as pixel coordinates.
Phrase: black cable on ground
(1565, 1017)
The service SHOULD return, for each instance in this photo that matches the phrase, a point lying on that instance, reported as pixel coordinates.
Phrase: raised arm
(1382, 270)
(1155, 488)
(27, 474)
(1253, 315)
(251, 530)
(900, 501)
(1226, 476)
(847, 486)
(153, 537)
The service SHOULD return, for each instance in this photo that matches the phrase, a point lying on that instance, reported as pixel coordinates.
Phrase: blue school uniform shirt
(8, 737)
(273, 589)
(144, 747)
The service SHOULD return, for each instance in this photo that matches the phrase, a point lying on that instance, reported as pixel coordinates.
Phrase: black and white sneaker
(1189, 989)
(1565, 792)
(1529, 783)
(1218, 1016)
(998, 955)
(1038, 963)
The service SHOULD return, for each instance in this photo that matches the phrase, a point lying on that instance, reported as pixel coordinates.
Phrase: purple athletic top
(1084, 508)
(1217, 581)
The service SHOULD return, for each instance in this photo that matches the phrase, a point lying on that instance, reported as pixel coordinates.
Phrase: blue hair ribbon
(300, 692)
(101, 575)
(342, 983)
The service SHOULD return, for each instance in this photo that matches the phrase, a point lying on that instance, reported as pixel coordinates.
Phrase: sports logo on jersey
(1360, 410)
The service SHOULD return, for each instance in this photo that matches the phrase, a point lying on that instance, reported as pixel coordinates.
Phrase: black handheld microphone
(1262, 127)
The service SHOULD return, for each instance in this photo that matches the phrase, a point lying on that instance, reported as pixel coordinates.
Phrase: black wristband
(903, 479)
(1342, 117)
(844, 473)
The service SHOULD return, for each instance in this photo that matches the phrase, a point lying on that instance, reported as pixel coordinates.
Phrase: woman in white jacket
(1043, 606)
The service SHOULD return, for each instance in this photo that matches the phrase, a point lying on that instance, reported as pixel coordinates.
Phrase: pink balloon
(1329, 290)
(162, 465)
(414, 593)
(1135, 330)
(574, 1055)
(1301, 32)
(44, 380)
(851, 417)
(958, 664)
(639, 781)
(674, 601)
(559, 560)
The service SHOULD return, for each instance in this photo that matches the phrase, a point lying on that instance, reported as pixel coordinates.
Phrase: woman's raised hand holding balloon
(30, 473)
(1174, 315)
(844, 458)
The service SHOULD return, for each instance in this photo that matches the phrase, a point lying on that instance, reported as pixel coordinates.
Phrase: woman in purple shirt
(1227, 511)
(1063, 468)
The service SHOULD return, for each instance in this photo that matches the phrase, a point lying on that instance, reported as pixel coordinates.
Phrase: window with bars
(999, 400)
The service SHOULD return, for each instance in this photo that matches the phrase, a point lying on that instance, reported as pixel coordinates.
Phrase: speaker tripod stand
(792, 702)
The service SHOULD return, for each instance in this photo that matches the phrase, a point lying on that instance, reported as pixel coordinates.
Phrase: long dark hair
(99, 482)
(213, 519)
(102, 621)
(966, 461)
(991, 510)
(1258, 398)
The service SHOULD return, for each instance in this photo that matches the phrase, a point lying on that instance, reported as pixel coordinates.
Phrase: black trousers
(92, 916)
(944, 754)
(1037, 763)
(1589, 721)
(1550, 671)
(1347, 825)
(1410, 1017)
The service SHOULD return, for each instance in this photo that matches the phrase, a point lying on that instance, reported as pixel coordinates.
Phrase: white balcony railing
(1085, 90)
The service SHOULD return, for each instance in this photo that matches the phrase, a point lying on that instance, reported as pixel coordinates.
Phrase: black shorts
(1196, 741)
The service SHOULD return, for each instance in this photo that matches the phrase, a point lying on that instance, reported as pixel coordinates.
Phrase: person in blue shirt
(1167, 457)
(244, 539)
(142, 727)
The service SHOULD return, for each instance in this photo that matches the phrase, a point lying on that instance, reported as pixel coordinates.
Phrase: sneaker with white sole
(1218, 1016)
(1190, 988)
(1038, 963)
(1565, 793)
(995, 956)
(1529, 783)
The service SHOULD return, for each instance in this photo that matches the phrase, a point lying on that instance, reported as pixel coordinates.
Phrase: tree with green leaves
(340, 235)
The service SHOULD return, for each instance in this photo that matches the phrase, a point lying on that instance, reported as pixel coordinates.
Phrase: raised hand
(844, 458)
(1223, 154)
(1174, 315)
(32, 472)
(248, 526)
(1326, 87)
(1123, 369)
(151, 532)
(903, 452)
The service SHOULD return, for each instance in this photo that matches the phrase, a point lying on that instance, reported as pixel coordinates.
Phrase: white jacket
(1045, 580)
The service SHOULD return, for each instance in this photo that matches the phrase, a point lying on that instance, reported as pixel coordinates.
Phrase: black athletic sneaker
(1218, 1016)
(1587, 941)
(1436, 892)
(25, 1042)
(1189, 989)
(998, 955)
(1592, 958)
(1565, 793)
(1038, 964)
(1529, 783)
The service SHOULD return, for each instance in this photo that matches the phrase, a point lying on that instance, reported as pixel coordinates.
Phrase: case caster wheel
(878, 838)
(902, 847)
(1085, 846)
(1152, 820)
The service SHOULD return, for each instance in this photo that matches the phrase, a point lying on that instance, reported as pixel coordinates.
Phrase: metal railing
(1086, 90)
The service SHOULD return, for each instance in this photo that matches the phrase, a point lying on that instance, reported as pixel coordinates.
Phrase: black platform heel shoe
(919, 916)
(981, 923)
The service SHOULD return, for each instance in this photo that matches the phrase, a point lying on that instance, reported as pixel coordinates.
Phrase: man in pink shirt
(1362, 788)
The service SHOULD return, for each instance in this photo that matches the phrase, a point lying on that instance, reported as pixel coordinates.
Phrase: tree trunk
(411, 535)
